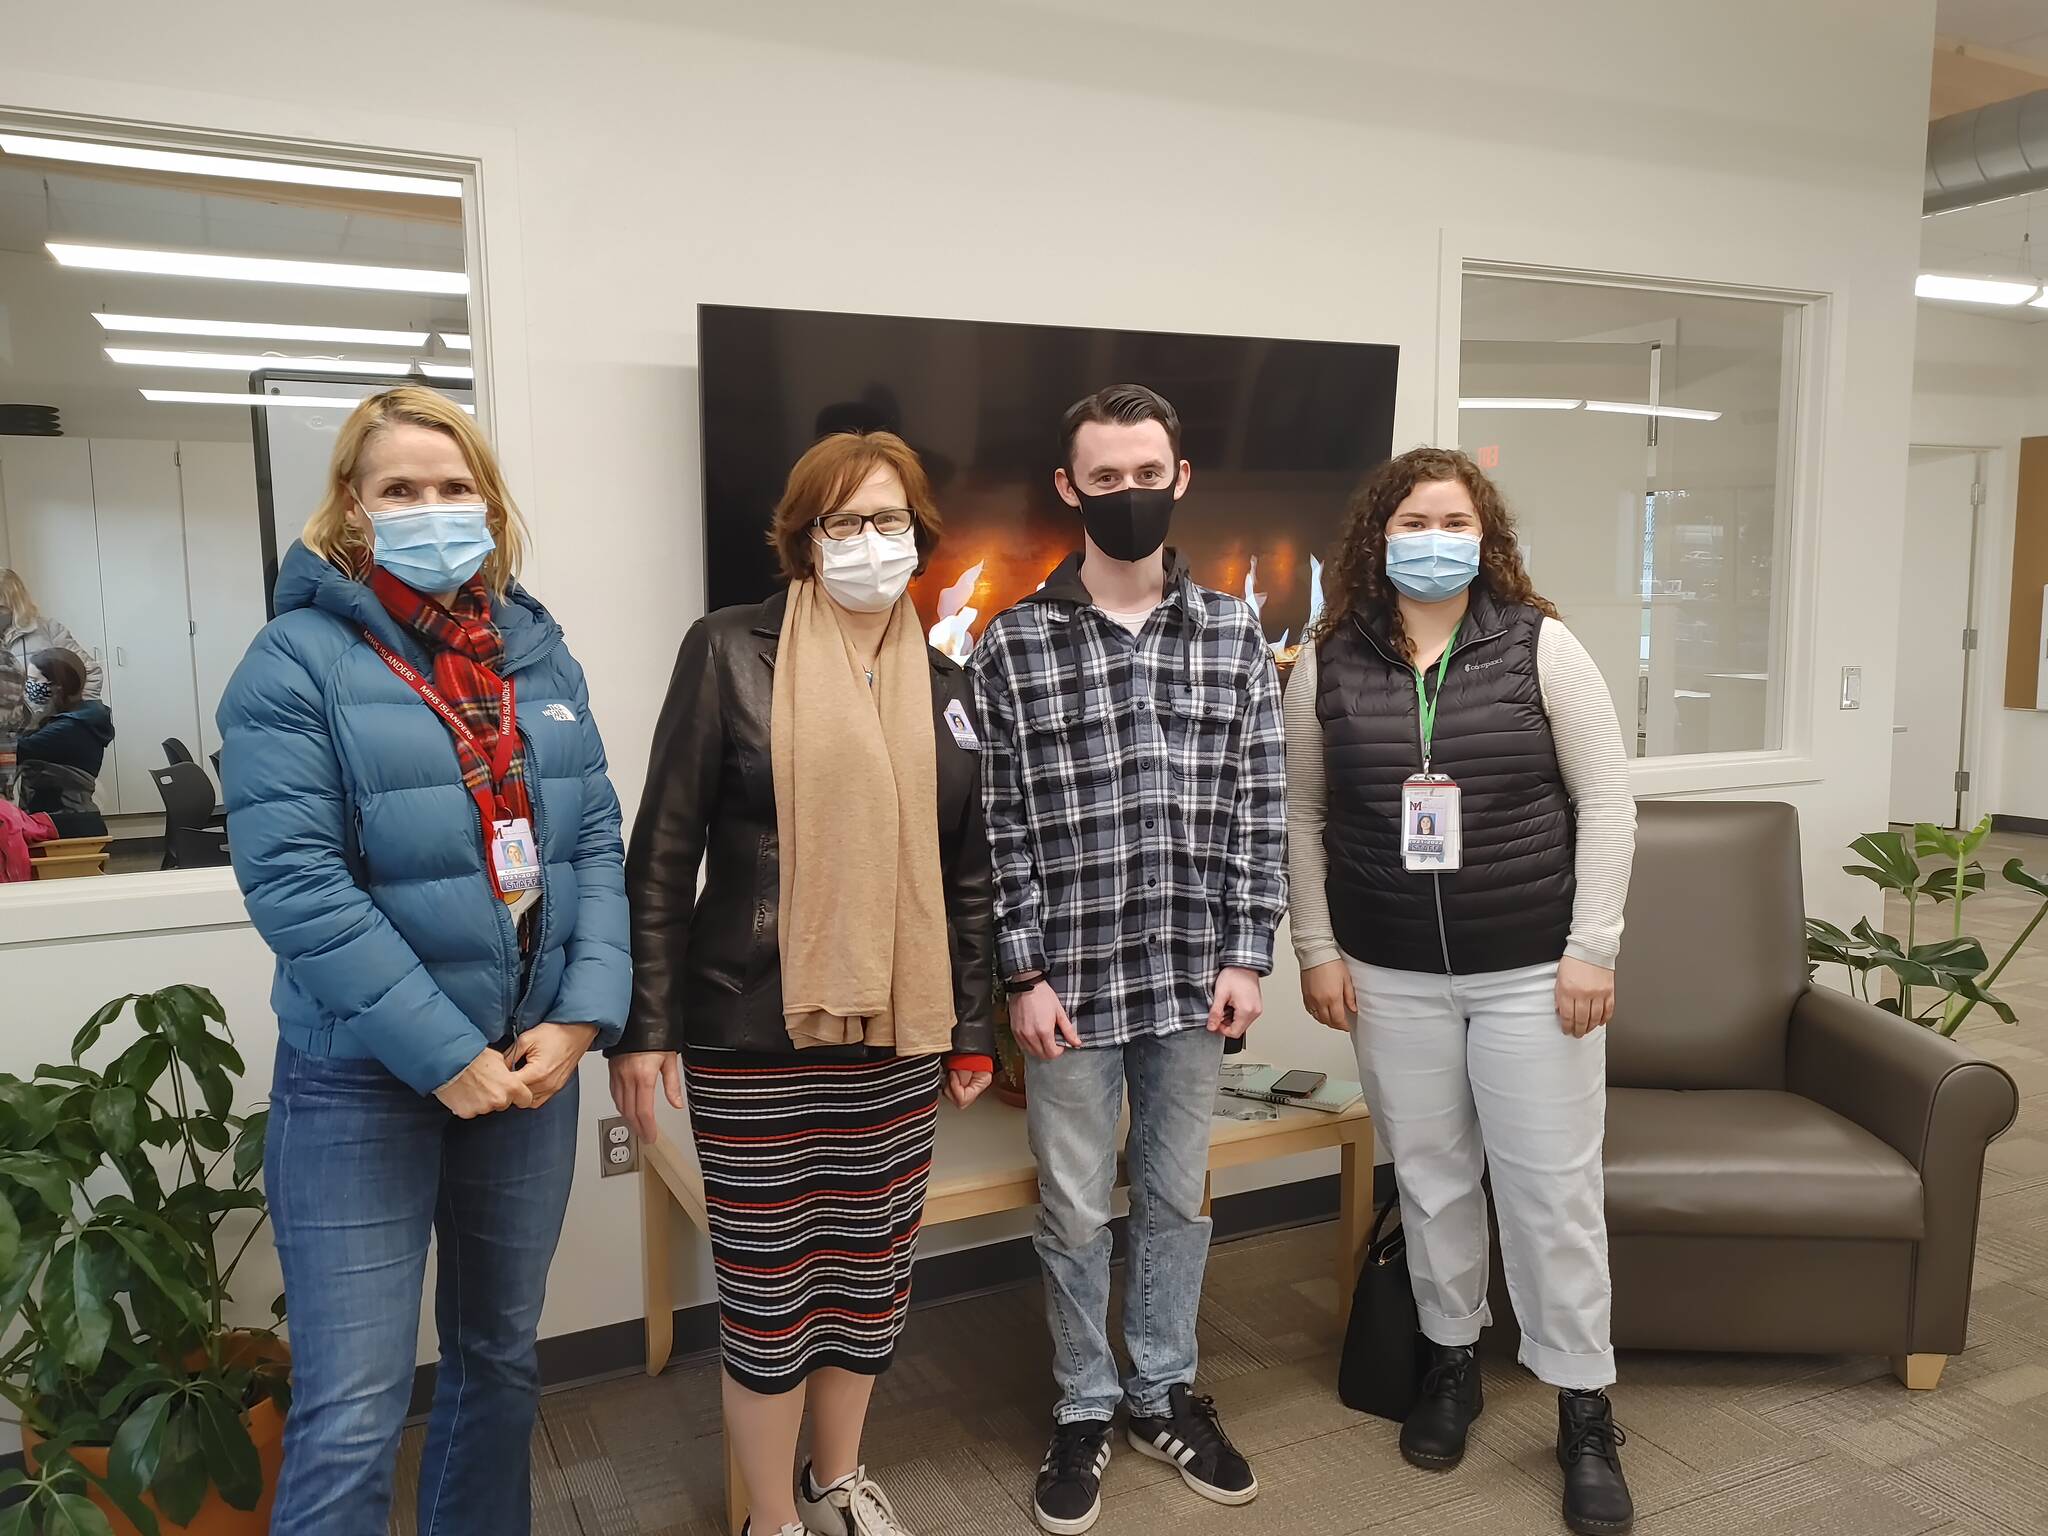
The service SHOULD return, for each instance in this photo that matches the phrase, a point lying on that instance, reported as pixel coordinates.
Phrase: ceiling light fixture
(224, 166)
(1973, 290)
(257, 269)
(455, 340)
(261, 330)
(251, 362)
(216, 397)
(1630, 408)
(1515, 403)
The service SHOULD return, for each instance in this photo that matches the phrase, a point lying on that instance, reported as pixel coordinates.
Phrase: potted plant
(1938, 981)
(140, 1408)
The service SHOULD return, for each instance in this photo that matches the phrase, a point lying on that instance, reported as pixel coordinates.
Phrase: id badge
(961, 727)
(1430, 833)
(514, 859)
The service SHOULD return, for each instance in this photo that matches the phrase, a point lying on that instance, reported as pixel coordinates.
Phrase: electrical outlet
(617, 1149)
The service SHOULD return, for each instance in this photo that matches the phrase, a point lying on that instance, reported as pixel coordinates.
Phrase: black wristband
(1015, 986)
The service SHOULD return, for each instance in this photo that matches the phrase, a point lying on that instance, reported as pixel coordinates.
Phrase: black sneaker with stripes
(1190, 1437)
(1068, 1498)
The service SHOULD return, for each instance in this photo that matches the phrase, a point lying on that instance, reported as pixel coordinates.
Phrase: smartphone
(1298, 1084)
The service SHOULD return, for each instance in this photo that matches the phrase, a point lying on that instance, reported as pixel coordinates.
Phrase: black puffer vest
(1511, 903)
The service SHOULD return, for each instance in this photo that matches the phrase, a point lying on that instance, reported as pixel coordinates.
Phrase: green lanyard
(1426, 705)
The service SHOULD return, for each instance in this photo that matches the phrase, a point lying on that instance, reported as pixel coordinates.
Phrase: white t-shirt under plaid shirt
(1135, 795)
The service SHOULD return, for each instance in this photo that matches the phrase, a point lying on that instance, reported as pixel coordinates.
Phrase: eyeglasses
(840, 526)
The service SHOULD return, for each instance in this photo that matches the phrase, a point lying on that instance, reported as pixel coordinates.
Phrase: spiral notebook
(1253, 1080)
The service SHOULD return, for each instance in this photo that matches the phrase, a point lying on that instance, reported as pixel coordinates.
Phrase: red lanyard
(500, 761)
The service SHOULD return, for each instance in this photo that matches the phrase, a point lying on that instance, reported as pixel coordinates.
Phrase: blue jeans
(360, 1170)
(1072, 1107)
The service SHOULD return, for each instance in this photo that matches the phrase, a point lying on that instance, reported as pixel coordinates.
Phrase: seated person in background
(66, 743)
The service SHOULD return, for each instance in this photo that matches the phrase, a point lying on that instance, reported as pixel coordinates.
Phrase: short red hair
(825, 478)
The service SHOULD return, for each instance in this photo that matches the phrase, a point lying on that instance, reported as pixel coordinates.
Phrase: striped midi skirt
(814, 1183)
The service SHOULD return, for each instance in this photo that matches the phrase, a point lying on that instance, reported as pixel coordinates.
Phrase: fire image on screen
(1279, 433)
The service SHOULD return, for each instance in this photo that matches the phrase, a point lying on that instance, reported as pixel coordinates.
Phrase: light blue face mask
(435, 548)
(1432, 565)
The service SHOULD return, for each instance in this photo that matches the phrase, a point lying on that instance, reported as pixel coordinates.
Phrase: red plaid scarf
(467, 651)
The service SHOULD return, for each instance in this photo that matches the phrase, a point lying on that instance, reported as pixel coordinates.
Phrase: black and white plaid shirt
(1135, 789)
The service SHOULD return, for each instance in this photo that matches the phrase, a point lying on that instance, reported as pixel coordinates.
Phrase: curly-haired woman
(1461, 833)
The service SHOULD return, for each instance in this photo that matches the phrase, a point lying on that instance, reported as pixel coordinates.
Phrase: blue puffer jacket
(362, 857)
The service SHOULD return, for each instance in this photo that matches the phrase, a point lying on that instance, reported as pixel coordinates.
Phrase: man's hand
(963, 1088)
(1585, 996)
(1238, 1003)
(1040, 1024)
(546, 1056)
(484, 1087)
(635, 1077)
(1327, 993)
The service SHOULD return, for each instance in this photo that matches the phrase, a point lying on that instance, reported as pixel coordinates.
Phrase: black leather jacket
(706, 969)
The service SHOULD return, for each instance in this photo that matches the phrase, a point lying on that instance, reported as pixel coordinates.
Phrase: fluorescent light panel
(1631, 408)
(1973, 290)
(261, 330)
(249, 362)
(258, 269)
(455, 340)
(1515, 403)
(218, 397)
(224, 166)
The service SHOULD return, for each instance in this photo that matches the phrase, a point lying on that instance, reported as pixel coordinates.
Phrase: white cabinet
(149, 551)
(141, 519)
(46, 489)
(223, 569)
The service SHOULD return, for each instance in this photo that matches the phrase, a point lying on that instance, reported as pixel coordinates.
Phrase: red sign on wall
(1488, 457)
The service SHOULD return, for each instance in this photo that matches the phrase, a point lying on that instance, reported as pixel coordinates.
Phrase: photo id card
(514, 859)
(1430, 840)
(961, 727)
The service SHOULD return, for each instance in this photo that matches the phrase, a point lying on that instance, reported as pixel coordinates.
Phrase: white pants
(1469, 1073)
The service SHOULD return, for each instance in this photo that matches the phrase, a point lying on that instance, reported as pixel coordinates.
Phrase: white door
(224, 569)
(149, 642)
(46, 490)
(1934, 595)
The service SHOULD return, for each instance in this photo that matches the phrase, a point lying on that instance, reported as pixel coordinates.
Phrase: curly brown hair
(1356, 579)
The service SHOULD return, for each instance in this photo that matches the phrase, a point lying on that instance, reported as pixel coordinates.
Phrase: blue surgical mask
(435, 548)
(1432, 565)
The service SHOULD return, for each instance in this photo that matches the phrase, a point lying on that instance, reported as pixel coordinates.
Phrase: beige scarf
(862, 922)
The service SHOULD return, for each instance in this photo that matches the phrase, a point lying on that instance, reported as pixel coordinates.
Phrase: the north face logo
(560, 712)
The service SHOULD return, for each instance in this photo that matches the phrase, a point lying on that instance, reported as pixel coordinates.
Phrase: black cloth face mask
(1129, 524)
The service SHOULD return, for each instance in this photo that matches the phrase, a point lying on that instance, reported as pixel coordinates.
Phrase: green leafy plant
(1936, 981)
(115, 1187)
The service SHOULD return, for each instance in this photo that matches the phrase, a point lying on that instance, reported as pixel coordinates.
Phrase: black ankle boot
(1433, 1435)
(1596, 1498)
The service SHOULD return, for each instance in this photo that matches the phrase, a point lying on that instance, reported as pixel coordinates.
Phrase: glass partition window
(181, 336)
(1643, 437)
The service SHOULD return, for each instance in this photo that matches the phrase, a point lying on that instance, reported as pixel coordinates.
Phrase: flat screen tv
(1279, 433)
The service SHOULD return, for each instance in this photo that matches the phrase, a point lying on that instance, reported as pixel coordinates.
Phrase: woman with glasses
(821, 763)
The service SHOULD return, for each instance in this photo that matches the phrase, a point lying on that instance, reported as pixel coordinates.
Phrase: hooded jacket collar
(305, 580)
(1066, 591)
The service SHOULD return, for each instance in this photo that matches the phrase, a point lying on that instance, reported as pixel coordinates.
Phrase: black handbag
(1380, 1370)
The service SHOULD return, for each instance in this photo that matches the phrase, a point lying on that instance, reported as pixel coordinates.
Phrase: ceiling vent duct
(1987, 154)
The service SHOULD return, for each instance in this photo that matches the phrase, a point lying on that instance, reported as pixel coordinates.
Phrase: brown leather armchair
(1788, 1169)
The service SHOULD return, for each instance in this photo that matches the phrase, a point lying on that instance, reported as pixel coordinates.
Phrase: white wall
(1981, 381)
(1283, 170)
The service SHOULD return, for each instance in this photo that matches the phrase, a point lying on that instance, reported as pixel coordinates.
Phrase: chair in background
(1789, 1170)
(175, 751)
(195, 834)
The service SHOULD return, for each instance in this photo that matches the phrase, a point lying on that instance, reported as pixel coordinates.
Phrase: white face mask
(867, 574)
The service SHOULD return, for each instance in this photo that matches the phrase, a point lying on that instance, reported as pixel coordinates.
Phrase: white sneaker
(788, 1530)
(853, 1506)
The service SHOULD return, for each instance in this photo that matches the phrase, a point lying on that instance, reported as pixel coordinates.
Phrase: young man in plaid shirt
(1132, 773)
